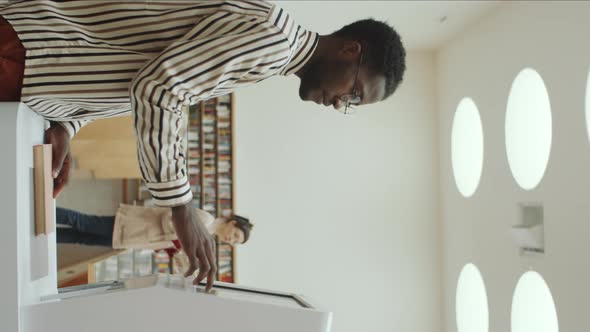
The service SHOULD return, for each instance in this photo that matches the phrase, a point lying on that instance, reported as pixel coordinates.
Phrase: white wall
(344, 206)
(92, 196)
(552, 38)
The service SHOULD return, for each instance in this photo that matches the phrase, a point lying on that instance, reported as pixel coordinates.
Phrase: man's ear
(350, 49)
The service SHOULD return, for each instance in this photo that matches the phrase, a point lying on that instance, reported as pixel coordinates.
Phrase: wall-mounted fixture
(529, 234)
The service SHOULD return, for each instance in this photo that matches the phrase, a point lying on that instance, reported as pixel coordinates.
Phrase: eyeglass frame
(352, 97)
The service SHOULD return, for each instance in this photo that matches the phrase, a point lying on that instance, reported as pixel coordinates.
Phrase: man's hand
(196, 242)
(59, 139)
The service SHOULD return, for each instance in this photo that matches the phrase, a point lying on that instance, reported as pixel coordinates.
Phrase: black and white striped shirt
(88, 60)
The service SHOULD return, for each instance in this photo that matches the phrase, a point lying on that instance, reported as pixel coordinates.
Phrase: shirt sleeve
(222, 50)
(73, 127)
(206, 218)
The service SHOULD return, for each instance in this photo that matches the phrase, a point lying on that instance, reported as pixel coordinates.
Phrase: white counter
(164, 303)
(28, 261)
(171, 303)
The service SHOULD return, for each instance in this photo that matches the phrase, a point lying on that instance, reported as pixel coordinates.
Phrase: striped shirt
(88, 60)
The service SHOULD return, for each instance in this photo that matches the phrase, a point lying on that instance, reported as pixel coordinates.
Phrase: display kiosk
(172, 303)
(31, 302)
(28, 261)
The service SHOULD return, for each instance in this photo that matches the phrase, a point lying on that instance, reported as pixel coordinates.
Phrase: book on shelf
(226, 278)
(224, 254)
(224, 99)
(223, 168)
(193, 135)
(223, 107)
(223, 269)
(225, 248)
(224, 133)
(224, 143)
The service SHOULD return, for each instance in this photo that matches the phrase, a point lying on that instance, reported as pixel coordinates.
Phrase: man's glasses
(352, 98)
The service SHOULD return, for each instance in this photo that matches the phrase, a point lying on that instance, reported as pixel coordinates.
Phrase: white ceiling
(418, 22)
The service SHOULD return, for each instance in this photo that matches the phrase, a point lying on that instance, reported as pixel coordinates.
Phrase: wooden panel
(80, 279)
(120, 128)
(44, 205)
(73, 271)
(107, 149)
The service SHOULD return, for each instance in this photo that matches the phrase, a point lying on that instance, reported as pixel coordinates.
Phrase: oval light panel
(528, 129)
(467, 147)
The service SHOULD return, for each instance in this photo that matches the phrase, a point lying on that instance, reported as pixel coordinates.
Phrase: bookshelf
(210, 167)
(209, 157)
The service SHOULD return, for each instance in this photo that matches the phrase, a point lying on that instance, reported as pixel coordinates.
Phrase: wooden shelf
(210, 158)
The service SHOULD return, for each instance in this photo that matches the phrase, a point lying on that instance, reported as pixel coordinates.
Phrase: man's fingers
(58, 186)
(59, 152)
(58, 157)
(63, 177)
(204, 265)
(192, 266)
(213, 263)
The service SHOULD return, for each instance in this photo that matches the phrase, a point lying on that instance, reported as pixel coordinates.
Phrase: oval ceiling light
(467, 147)
(533, 308)
(471, 306)
(528, 129)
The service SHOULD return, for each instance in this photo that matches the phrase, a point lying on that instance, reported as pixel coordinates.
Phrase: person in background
(142, 227)
(87, 60)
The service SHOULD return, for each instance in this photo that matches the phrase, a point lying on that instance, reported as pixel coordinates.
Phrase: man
(92, 59)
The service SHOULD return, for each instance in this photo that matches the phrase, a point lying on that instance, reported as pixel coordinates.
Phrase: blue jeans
(85, 229)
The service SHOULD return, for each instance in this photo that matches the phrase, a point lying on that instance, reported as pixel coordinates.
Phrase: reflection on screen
(253, 296)
(236, 293)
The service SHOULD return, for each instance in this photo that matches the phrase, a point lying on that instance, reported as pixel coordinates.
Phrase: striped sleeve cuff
(173, 193)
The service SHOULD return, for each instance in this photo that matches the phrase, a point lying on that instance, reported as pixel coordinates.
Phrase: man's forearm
(181, 214)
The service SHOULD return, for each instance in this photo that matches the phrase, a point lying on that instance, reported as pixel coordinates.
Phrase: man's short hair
(383, 51)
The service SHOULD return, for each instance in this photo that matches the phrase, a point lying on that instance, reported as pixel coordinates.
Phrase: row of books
(210, 167)
(225, 257)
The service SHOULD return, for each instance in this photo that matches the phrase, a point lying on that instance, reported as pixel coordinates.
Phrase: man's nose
(338, 104)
